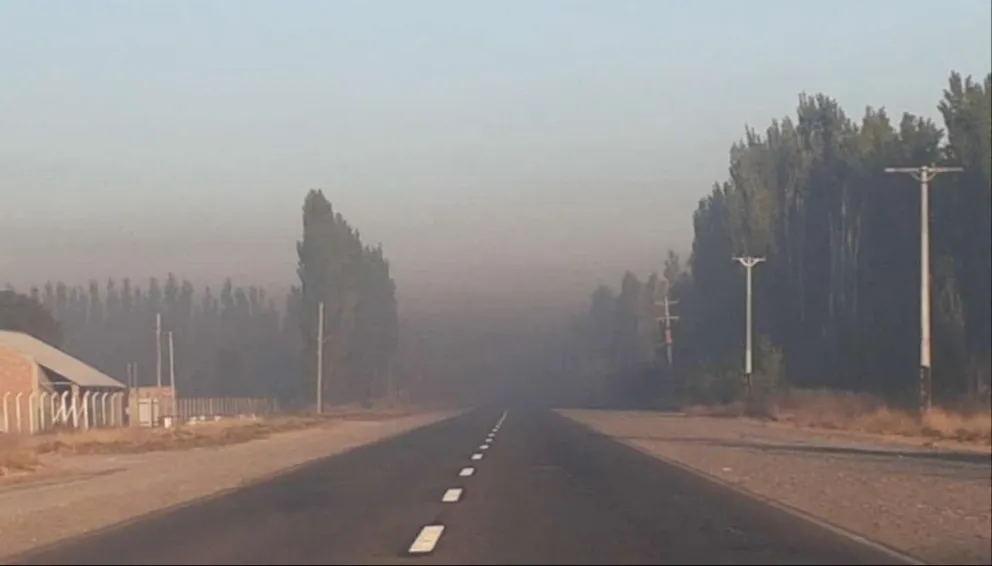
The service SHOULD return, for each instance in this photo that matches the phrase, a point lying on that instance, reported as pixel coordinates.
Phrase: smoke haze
(508, 157)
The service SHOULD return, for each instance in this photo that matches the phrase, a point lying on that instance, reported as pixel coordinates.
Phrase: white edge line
(452, 495)
(427, 539)
(771, 502)
(466, 472)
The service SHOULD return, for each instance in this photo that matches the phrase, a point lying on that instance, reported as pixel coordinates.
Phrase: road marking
(484, 447)
(491, 435)
(452, 495)
(489, 441)
(427, 539)
(477, 456)
(502, 418)
(466, 472)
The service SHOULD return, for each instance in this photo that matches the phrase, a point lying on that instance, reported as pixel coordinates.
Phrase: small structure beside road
(42, 388)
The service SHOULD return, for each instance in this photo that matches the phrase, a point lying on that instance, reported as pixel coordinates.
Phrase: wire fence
(47, 411)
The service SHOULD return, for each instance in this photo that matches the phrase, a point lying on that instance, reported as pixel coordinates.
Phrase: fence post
(31, 415)
(64, 408)
(17, 409)
(6, 413)
(116, 403)
(42, 405)
(85, 402)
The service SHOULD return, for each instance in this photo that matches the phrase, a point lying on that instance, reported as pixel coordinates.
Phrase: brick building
(31, 370)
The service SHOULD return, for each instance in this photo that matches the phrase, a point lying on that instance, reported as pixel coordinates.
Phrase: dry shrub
(967, 427)
(865, 413)
(839, 410)
(16, 455)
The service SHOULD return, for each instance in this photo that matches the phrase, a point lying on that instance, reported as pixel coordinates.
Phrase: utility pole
(158, 349)
(320, 357)
(748, 262)
(668, 317)
(172, 381)
(132, 401)
(924, 175)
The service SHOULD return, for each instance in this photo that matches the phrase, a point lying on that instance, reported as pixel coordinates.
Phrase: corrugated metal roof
(56, 360)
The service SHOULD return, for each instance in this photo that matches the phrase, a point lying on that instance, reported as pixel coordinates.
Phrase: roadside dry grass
(833, 410)
(16, 455)
(19, 454)
(133, 439)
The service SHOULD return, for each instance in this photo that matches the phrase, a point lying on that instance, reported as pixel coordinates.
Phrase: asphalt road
(545, 491)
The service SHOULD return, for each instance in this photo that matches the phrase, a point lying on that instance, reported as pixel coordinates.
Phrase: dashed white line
(427, 539)
(453, 495)
(484, 447)
(489, 441)
(477, 456)
(466, 472)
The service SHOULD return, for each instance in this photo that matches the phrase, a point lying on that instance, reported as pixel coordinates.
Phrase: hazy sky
(490, 146)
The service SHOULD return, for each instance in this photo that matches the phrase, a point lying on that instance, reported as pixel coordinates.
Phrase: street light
(748, 262)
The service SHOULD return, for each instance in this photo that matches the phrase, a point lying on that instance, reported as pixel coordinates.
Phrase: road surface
(542, 490)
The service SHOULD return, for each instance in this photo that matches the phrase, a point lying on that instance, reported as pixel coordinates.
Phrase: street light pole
(158, 349)
(172, 381)
(320, 357)
(748, 262)
(924, 175)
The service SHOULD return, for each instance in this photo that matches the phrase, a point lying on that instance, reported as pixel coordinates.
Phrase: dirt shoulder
(75, 493)
(933, 504)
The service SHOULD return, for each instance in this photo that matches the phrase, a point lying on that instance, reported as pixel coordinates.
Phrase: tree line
(236, 339)
(228, 341)
(836, 303)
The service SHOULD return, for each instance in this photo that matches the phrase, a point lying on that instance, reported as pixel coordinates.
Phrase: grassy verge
(834, 410)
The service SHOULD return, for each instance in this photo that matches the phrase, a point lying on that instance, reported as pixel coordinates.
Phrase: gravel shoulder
(933, 504)
(83, 493)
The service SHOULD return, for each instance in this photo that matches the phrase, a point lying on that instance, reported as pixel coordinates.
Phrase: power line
(667, 317)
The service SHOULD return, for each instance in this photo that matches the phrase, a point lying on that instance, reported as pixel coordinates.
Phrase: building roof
(56, 360)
